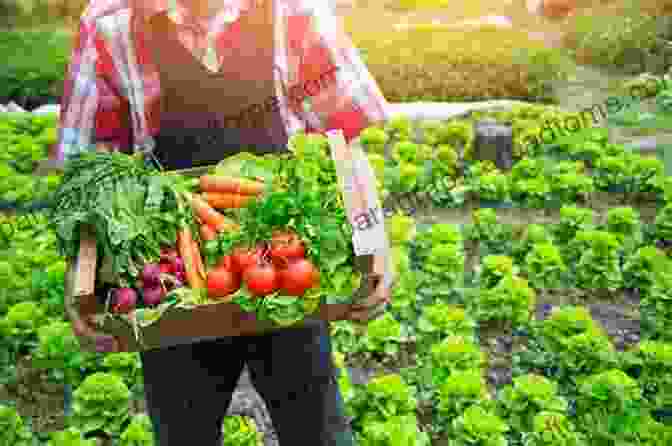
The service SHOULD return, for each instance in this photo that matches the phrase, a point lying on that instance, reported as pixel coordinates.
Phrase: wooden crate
(186, 326)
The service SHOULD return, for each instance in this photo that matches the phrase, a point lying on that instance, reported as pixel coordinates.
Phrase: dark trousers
(189, 388)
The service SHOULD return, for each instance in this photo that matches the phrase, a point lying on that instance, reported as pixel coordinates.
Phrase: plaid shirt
(112, 86)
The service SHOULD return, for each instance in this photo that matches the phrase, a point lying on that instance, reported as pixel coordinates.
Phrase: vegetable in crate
(134, 210)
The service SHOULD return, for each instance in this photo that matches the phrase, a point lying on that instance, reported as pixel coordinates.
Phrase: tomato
(298, 277)
(286, 245)
(226, 263)
(243, 258)
(222, 283)
(261, 279)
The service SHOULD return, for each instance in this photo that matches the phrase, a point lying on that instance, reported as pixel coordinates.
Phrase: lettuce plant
(641, 269)
(533, 192)
(654, 360)
(401, 229)
(440, 320)
(545, 266)
(614, 171)
(565, 322)
(70, 437)
(572, 220)
(443, 271)
(461, 390)
(20, 324)
(478, 427)
(455, 353)
(101, 402)
(644, 169)
(58, 350)
(533, 234)
(13, 430)
(624, 223)
(399, 127)
(374, 139)
(398, 430)
(609, 408)
(495, 237)
(553, 429)
(140, 433)
(663, 223)
(494, 268)
(492, 186)
(571, 187)
(656, 308)
(528, 396)
(381, 398)
(384, 335)
(511, 301)
(599, 265)
(438, 234)
(404, 302)
(127, 366)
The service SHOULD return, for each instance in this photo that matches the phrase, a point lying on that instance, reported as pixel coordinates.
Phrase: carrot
(198, 260)
(208, 232)
(231, 185)
(224, 200)
(186, 250)
(207, 215)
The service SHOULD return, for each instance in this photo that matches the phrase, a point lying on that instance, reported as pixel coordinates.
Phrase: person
(192, 81)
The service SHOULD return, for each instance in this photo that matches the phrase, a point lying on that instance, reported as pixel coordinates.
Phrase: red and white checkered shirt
(112, 86)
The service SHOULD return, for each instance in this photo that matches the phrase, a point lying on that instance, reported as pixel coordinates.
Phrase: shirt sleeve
(332, 78)
(92, 111)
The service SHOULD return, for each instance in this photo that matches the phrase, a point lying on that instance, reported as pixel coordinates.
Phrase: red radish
(222, 282)
(181, 276)
(286, 245)
(151, 273)
(298, 277)
(166, 268)
(125, 300)
(244, 258)
(261, 279)
(154, 295)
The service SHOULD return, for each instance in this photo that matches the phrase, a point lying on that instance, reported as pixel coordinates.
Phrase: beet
(125, 300)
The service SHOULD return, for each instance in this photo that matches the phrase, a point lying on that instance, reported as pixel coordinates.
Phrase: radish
(151, 274)
(166, 268)
(154, 295)
(169, 254)
(125, 300)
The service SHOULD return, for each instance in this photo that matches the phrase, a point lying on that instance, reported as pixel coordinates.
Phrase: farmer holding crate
(194, 81)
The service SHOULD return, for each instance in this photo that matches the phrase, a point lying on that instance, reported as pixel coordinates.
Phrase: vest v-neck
(173, 35)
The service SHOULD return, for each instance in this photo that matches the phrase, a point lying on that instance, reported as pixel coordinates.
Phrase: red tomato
(286, 245)
(243, 258)
(261, 279)
(298, 277)
(226, 263)
(222, 283)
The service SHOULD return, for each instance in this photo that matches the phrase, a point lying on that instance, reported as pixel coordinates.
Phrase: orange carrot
(231, 185)
(207, 215)
(198, 260)
(185, 248)
(208, 232)
(224, 200)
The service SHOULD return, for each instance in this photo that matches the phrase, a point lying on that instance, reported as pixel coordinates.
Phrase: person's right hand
(92, 340)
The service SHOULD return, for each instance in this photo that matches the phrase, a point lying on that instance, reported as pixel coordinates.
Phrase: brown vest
(208, 116)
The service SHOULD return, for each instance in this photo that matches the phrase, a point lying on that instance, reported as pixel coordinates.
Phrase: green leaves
(13, 430)
(478, 427)
(101, 402)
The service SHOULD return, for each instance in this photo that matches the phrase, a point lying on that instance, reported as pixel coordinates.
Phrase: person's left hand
(376, 304)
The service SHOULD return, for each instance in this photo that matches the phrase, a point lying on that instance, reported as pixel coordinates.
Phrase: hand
(373, 307)
(92, 340)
